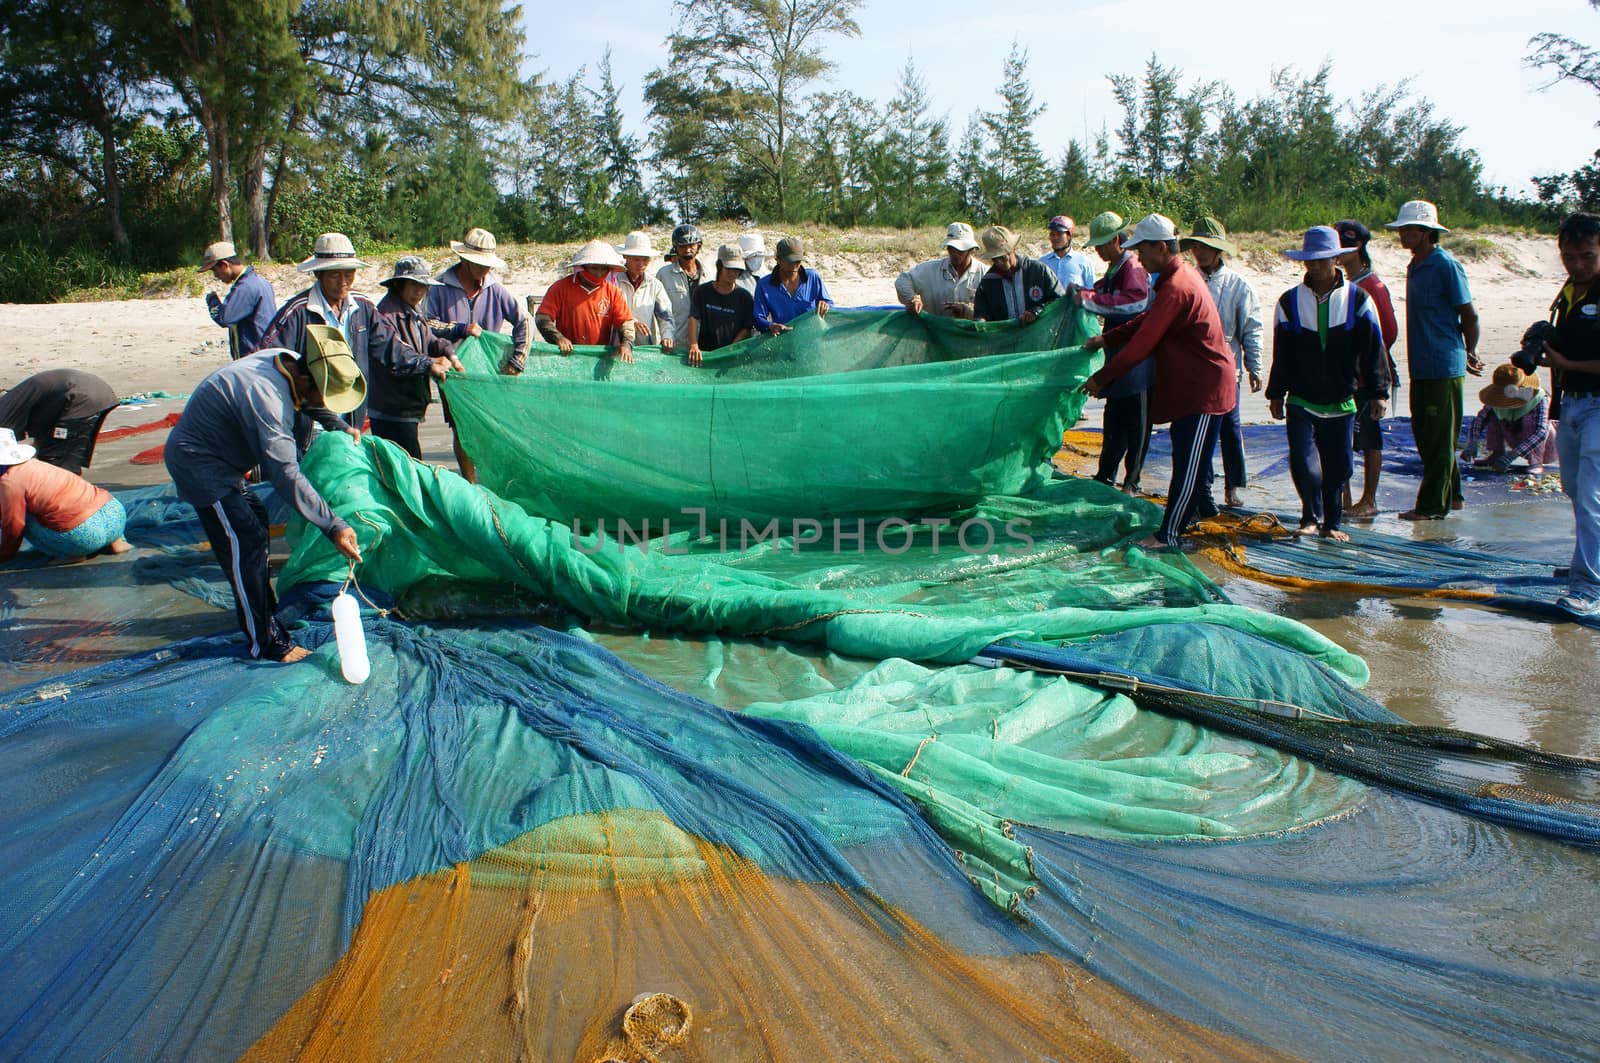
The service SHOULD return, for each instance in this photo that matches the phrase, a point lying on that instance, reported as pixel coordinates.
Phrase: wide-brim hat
(637, 245)
(412, 268)
(1417, 212)
(478, 248)
(996, 242)
(1320, 241)
(597, 253)
(11, 451)
(1105, 227)
(217, 252)
(1210, 232)
(1510, 387)
(333, 369)
(752, 244)
(333, 251)
(959, 236)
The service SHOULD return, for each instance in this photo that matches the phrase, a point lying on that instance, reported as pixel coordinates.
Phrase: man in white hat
(1017, 287)
(753, 246)
(585, 307)
(397, 402)
(64, 516)
(1195, 384)
(243, 416)
(247, 309)
(332, 301)
(647, 297)
(1441, 348)
(721, 312)
(470, 294)
(944, 286)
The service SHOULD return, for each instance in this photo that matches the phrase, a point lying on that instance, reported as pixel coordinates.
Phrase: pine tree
(1016, 177)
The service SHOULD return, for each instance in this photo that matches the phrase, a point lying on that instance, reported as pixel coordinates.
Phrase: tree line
(133, 131)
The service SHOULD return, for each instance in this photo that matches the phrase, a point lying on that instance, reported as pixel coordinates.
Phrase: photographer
(1574, 355)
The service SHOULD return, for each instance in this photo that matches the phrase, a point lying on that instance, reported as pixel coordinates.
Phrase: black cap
(1352, 233)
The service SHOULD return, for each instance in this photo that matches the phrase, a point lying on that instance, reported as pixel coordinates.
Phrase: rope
(906, 774)
(350, 577)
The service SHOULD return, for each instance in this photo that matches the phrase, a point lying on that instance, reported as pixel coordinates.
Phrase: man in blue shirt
(1441, 348)
(247, 309)
(789, 290)
(1073, 268)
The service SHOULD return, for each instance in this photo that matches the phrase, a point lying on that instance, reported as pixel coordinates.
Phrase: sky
(1464, 55)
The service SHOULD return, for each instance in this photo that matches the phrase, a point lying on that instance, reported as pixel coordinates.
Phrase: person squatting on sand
(59, 513)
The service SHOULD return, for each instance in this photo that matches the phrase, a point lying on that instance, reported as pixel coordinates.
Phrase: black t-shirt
(1578, 335)
(721, 317)
(42, 401)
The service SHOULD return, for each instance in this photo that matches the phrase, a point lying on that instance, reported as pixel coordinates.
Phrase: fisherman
(1328, 358)
(250, 304)
(790, 290)
(1368, 434)
(944, 286)
(61, 410)
(753, 246)
(1183, 334)
(721, 312)
(1120, 295)
(680, 276)
(1441, 348)
(331, 301)
(398, 401)
(1072, 268)
(62, 515)
(1241, 325)
(585, 307)
(646, 296)
(1017, 287)
(470, 294)
(242, 416)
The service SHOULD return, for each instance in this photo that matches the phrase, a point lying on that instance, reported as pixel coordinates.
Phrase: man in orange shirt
(586, 307)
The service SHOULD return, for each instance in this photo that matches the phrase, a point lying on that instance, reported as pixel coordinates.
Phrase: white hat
(478, 248)
(637, 245)
(1153, 227)
(959, 236)
(222, 249)
(597, 253)
(752, 244)
(12, 452)
(1417, 212)
(333, 251)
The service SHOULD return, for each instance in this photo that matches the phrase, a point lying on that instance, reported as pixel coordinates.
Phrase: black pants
(1194, 445)
(1126, 436)
(1321, 463)
(240, 538)
(1231, 440)
(402, 434)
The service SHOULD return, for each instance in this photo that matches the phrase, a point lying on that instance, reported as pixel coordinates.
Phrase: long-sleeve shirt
(1123, 292)
(1378, 292)
(1073, 269)
(775, 306)
(243, 416)
(1195, 370)
(36, 405)
(493, 306)
(1030, 286)
(405, 396)
(58, 499)
(680, 285)
(938, 284)
(1533, 428)
(1240, 314)
(652, 307)
(246, 311)
(1327, 350)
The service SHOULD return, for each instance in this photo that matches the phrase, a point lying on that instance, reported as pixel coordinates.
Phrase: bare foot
(1233, 499)
(1457, 504)
(1307, 528)
(1365, 509)
(296, 653)
(1335, 534)
(1412, 514)
(121, 546)
(1149, 542)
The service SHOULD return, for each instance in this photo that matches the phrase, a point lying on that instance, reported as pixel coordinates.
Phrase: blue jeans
(1320, 462)
(1578, 444)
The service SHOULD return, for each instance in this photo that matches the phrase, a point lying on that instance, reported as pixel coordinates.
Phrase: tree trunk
(221, 170)
(277, 176)
(110, 179)
(255, 200)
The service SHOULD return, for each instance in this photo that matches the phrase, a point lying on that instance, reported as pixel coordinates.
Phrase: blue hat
(1321, 241)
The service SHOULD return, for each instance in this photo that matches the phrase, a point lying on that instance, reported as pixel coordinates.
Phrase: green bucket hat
(334, 369)
(1105, 227)
(1209, 231)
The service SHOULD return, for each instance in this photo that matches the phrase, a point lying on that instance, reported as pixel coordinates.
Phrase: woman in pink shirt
(61, 514)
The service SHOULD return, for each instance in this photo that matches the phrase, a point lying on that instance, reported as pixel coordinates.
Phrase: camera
(1531, 355)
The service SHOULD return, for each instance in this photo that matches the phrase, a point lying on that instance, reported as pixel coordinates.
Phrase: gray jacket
(1241, 317)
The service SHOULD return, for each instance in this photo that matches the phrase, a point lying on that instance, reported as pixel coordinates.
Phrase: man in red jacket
(1194, 386)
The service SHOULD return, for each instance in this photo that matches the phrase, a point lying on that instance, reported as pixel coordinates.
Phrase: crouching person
(1327, 353)
(242, 416)
(1513, 423)
(59, 513)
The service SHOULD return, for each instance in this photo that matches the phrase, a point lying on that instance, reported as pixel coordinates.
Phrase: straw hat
(597, 253)
(1209, 231)
(411, 268)
(217, 252)
(1320, 241)
(997, 241)
(12, 452)
(333, 251)
(334, 369)
(478, 248)
(1417, 212)
(1105, 227)
(1509, 388)
(637, 245)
